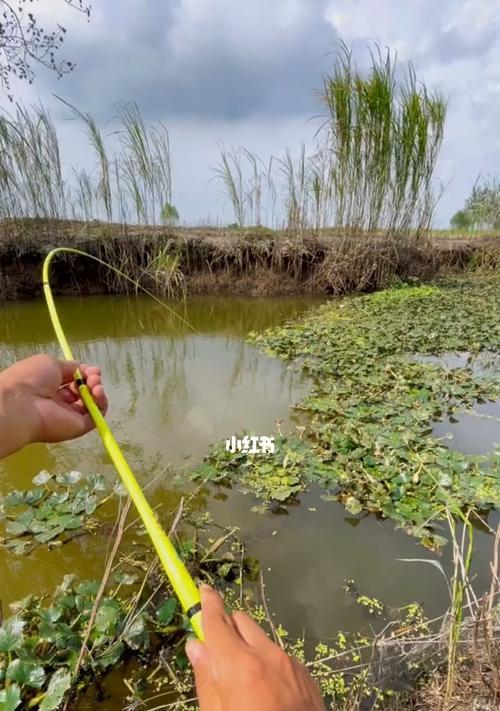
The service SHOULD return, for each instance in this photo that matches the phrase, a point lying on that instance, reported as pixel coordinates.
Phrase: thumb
(206, 687)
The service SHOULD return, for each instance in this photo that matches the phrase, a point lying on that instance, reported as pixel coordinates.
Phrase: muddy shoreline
(255, 262)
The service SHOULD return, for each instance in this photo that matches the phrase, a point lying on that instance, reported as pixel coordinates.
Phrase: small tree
(25, 43)
(482, 208)
(169, 214)
(462, 220)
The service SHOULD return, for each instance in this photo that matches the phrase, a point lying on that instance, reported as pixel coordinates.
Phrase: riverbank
(253, 261)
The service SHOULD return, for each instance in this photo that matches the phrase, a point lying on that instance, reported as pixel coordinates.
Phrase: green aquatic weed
(378, 389)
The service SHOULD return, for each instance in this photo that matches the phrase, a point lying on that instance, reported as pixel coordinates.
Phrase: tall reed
(383, 136)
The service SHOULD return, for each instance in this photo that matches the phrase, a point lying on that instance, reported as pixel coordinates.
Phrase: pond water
(173, 392)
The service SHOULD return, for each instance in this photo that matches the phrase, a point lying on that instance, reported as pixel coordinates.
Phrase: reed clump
(372, 166)
(132, 184)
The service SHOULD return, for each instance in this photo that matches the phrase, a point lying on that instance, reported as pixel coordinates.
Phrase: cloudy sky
(248, 73)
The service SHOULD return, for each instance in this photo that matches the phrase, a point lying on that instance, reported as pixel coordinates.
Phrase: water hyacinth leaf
(34, 496)
(42, 478)
(26, 673)
(165, 613)
(125, 578)
(90, 505)
(11, 634)
(51, 614)
(353, 505)
(17, 528)
(45, 514)
(69, 478)
(68, 522)
(374, 403)
(97, 482)
(88, 587)
(10, 698)
(59, 684)
(107, 616)
(50, 534)
(136, 634)
(120, 489)
(47, 631)
(111, 656)
(15, 498)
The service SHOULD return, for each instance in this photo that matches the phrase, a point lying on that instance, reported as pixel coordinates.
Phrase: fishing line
(183, 584)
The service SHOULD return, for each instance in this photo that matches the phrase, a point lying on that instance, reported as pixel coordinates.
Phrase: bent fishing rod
(183, 584)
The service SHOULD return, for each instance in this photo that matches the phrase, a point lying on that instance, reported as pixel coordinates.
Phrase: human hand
(238, 668)
(40, 402)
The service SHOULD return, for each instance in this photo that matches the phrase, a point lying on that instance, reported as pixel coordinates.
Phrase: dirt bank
(209, 260)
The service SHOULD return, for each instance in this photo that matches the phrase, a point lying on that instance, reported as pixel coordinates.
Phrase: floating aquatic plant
(368, 440)
(57, 509)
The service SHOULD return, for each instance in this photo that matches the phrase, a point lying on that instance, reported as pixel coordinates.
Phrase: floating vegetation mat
(368, 439)
(58, 646)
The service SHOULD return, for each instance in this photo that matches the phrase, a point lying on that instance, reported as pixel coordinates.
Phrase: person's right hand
(238, 668)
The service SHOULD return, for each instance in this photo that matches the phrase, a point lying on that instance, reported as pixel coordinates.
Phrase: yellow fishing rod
(180, 579)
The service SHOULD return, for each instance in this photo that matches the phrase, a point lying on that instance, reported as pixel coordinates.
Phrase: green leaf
(14, 498)
(49, 535)
(352, 505)
(136, 634)
(26, 673)
(125, 578)
(181, 659)
(165, 613)
(88, 587)
(107, 616)
(42, 478)
(68, 521)
(69, 479)
(11, 634)
(111, 656)
(10, 698)
(59, 684)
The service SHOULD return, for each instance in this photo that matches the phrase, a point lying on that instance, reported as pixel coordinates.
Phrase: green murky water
(175, 390)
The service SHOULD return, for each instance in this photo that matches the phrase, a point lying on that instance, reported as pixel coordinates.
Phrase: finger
(250, 632)
(206, 686)
(93, 380)
(67, 370)
(88, 370)
(100, 398)
(67, 394)
(221, 636)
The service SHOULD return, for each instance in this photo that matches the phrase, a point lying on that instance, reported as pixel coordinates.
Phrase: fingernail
(204, 588)
(193, 651)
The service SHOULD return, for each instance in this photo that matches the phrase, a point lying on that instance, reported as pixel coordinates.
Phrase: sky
(248, 73)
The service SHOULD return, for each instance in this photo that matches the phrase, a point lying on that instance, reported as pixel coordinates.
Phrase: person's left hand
(40, 402)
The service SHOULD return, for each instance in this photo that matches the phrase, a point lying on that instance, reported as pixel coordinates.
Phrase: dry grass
(175, 261)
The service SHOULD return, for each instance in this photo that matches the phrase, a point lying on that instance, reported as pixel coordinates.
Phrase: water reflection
(174, 391)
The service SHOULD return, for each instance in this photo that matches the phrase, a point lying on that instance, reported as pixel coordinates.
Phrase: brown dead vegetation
(258, 261)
